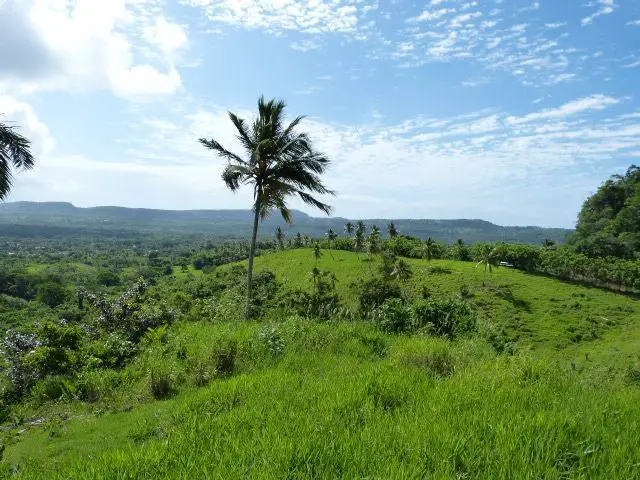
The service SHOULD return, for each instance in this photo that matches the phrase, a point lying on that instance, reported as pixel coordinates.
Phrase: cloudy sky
(508, 110)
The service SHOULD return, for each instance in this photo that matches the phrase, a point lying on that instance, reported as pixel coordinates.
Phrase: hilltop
(55, 219)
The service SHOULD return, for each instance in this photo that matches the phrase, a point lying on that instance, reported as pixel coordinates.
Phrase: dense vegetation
(609, 222)
(390, 343)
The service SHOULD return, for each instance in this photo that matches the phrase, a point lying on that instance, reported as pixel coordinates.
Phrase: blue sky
(508, 110)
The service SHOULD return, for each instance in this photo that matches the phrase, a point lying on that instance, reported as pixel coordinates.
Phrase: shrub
(53, 388)
(373, 293)
(52, 294)
(393, 316)
(108, 278)
(271, 339)
(224, 358)
(439, 362)
(445, 317)
(161, 383)
(202, 374)
(113, 351)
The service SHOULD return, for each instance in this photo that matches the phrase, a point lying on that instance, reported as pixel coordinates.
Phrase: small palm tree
(402, 271)
(331, 237)
(280, 238)
(15, 153)
(298, 243)
(317, 252)
(393, 231)
(429, 249)
(360, 227)
(279, 163)
(348, 228)
(548, 243)
(489, 259)
(373, 241)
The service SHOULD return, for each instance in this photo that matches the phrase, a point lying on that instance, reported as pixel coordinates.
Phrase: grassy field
(304, 399)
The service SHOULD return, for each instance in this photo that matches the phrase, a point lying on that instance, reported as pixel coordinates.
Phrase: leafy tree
(280, 238)
(52, 294)
(348, 228)
(15, 153)
(393, 231)
(609, 222)
(279, 163)
(299, 242)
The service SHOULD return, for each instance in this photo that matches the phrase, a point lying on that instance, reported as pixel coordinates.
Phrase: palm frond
(243, 134)
(15, 151)
(220, 150)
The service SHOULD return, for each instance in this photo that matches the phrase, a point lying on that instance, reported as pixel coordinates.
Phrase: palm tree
(374, 241)
(279, 163)
(348, 228)
(331, 237)
(298, 243)
(317, 252)
(360, 227)
(402, 271)
(489, 259)
(15, 152)
(429, 249)
(393, 231)
(280, 238)
(548, 243)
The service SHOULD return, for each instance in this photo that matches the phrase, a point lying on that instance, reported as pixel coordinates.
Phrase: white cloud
(427, 16)
(606, 8)
(553, 26)
(23, 116)
(93, 44)
(310, 16)
(634, 23)
(594, 102)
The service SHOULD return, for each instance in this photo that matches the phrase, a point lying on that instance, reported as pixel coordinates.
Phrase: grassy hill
(289, 397)
(59, 219)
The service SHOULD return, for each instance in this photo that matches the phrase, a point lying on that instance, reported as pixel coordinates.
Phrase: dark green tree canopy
(609, 222)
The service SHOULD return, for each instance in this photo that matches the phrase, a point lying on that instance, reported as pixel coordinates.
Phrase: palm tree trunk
(252, 251)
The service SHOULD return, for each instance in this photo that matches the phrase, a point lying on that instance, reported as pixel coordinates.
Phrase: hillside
(54, 219)
(546, 387)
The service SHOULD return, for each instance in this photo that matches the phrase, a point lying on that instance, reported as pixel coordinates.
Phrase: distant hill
(53, 219)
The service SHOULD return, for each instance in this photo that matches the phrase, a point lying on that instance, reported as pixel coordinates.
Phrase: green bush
(444, 317)
(393, 316)
(161, 383)
(373, 293)
(52, 294)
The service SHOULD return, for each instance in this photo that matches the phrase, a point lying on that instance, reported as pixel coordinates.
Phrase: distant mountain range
(53, 219)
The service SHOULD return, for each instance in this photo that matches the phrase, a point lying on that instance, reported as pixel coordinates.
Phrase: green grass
(343, 400)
